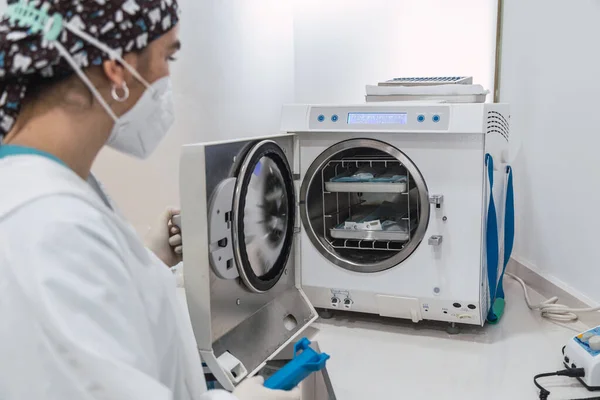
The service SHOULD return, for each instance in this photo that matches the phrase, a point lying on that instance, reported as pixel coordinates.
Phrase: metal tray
(365, 187)
(394, 236)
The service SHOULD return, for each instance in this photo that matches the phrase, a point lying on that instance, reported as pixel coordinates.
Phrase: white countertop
(372, 358)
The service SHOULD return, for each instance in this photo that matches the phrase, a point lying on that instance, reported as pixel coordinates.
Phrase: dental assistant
(89, 311)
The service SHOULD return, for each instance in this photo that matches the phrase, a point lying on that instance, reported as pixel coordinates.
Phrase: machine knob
(594, 343)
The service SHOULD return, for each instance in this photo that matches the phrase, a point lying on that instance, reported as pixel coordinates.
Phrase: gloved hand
(253, 389)
(164, 239)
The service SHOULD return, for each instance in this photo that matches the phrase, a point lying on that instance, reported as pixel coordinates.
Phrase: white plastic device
(445, 277)
(583, 351)
(260, 202)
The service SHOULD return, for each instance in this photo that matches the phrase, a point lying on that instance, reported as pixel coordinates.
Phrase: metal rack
(381, 245)
(348, 200)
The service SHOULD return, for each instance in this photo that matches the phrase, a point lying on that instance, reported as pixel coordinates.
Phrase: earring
(115, 94)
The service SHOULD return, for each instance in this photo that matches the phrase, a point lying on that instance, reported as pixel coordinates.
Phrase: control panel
(384, 118)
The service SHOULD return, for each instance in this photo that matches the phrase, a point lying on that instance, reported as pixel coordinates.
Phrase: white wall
(234, 72)
(342, 45)
(551, 59)
(241, 60)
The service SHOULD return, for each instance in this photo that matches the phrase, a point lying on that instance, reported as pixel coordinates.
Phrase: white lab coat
(86, 312)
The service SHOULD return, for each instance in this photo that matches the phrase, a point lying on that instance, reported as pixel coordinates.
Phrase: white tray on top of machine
(365, 187)
(458, 89)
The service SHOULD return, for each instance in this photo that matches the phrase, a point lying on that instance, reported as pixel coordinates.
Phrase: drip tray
(317, 386)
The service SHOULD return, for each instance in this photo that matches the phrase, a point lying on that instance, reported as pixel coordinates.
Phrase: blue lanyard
(496, 274)
(7, 150)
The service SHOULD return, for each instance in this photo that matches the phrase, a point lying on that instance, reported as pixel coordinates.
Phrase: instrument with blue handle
(305, 362)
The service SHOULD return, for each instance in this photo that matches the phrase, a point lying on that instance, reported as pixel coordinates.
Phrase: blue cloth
(495, 277)
(7, 150)
(390, 179)
(509, 227)
(359, 177)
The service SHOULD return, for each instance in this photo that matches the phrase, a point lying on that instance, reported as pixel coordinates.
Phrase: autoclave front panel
(451, 165)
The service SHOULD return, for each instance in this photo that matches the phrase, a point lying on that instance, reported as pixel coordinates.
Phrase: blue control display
(321, 118)
(421, 118)
(436, 118)
(334, 118)
(378, 118)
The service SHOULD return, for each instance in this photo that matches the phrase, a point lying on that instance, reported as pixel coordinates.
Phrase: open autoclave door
(239, 218)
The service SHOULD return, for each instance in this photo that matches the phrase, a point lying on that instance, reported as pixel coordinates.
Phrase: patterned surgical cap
(27, 58)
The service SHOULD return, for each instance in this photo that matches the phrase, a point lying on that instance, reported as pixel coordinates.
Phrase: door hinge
(296, 230)
(296, 177)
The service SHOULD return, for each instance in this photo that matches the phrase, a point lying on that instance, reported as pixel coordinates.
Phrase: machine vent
(497, 123)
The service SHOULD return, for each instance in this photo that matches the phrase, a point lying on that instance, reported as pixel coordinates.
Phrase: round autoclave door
(364, 205)
(262, 218)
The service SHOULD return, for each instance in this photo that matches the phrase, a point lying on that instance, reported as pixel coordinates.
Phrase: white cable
(550, 309)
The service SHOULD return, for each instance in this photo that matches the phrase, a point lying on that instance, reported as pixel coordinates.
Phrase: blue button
(421, 118)
(321, 118)
(334, 118)
(436, 118)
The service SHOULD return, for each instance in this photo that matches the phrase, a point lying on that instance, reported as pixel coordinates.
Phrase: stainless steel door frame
(231, 320)
(273, 205)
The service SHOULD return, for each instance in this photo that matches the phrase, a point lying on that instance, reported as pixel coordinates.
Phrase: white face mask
(139, 131)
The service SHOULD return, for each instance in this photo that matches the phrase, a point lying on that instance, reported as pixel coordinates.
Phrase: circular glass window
(364, 205)
(263, 216)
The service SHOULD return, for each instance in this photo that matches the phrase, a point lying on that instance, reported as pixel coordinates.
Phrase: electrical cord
(550, 309)
(572, 373)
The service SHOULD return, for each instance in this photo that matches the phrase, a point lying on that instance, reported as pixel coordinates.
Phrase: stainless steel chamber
(330, 205)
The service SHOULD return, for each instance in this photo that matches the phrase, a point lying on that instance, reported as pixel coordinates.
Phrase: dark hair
(26, 57)
(39, 84)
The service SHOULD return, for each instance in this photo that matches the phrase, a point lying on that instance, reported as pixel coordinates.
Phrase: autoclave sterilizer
(377, 208)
